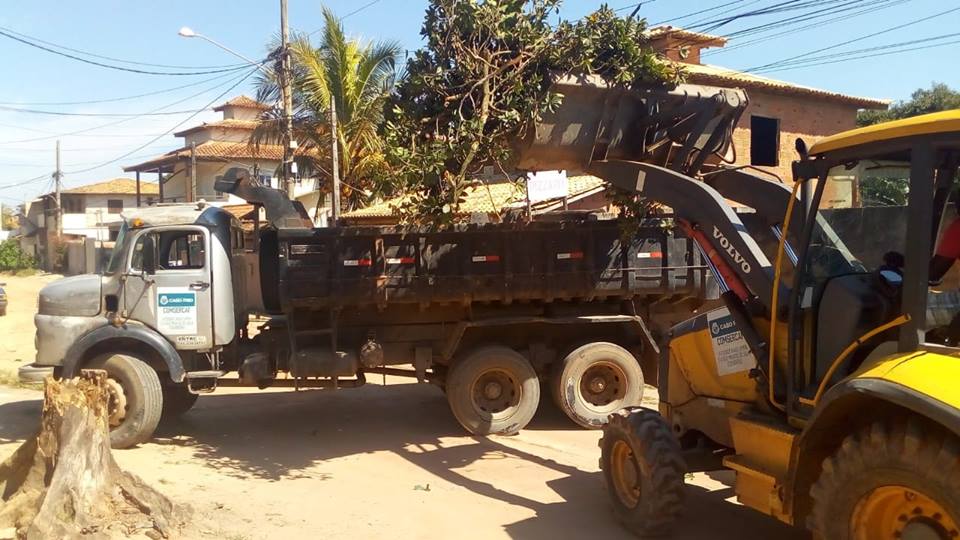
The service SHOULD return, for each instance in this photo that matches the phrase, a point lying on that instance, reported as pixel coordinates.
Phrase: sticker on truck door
(176, 310)
(729, 347)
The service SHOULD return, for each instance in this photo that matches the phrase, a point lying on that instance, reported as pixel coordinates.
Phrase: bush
(13, 258)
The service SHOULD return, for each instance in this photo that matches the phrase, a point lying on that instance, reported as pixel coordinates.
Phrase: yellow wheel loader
(814, 382)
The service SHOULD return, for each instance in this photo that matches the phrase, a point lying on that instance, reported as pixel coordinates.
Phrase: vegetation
(8, 218)
(939, 97)
(358, 77)
(12, 258)
(483, 78)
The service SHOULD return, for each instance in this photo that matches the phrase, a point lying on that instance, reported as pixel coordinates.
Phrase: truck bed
(541, 261)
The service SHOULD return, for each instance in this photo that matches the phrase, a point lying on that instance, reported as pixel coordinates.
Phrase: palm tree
(359, 77)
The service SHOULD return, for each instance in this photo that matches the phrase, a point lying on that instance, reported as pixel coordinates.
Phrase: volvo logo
(731, 251)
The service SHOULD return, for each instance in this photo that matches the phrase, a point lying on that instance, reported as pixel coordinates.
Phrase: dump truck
(191, 302)
(818, 382)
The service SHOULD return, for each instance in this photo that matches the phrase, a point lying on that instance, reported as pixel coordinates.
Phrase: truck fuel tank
(323, 362)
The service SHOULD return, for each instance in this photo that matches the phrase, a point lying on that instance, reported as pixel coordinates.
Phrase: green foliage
(13, 258)
(939, 97)
(8, 218)
(482, 80)
(884, 191)
(359, 78)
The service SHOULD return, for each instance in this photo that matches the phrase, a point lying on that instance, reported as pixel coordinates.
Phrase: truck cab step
(208, 374)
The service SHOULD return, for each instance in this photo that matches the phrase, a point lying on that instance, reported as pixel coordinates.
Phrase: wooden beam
(138, 189)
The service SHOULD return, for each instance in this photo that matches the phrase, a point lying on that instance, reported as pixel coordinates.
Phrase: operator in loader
(947, 253)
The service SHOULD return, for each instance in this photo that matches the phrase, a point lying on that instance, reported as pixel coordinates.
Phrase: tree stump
(64, 483)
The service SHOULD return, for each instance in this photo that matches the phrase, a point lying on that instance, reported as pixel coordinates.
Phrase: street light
(289, 167)
(188, 32)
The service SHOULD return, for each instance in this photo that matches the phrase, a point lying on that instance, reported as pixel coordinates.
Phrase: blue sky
(147, 32)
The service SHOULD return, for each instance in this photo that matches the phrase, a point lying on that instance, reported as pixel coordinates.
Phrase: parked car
(3, 300)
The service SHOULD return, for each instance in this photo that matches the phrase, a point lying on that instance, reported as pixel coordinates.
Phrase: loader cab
(873, 200)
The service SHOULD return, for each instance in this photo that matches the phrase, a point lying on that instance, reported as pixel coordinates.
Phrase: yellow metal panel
(940, 122)
(695, 358)
(931, 374)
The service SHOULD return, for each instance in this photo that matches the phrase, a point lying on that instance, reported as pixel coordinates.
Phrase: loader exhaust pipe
(282, 213)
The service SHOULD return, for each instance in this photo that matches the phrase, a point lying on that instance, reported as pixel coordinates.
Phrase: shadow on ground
(280, 435)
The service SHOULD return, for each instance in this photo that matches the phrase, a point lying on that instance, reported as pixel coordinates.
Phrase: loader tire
(596, 380)
(136, 398)
(892, 479)
(644, 471)
(493, 391)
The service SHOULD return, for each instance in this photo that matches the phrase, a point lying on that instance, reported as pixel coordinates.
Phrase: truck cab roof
(172, 214)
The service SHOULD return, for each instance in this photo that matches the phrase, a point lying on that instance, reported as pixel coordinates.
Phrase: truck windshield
(119, 250)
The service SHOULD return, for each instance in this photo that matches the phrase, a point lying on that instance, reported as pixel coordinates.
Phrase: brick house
(778, 112)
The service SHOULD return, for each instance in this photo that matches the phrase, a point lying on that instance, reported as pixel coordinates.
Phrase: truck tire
(177, 400)
(596, 380)
(643, 469)
(136, 400)
(493, 391)
(892, 479)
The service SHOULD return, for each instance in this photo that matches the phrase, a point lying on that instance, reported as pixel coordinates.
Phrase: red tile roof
(718, 76)
(215, 151)
(229, 123)
(116, 186)
(242, 101)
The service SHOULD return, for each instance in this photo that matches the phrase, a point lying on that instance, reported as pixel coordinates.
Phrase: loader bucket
(681, 127)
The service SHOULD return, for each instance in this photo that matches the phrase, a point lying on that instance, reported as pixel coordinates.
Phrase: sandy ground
(16, 328)
(383, 462)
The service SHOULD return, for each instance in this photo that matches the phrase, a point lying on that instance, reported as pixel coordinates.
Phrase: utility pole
(192, 191)
(285, 76)
(335, 166)
(57, 176)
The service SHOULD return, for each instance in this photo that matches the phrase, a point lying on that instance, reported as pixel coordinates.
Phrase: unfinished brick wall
(810, 118)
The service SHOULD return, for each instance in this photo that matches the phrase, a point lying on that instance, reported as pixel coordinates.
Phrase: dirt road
(379, 462)
(16, 328)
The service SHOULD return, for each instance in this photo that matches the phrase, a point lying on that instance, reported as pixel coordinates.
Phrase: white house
(215, 147)
(89, 211)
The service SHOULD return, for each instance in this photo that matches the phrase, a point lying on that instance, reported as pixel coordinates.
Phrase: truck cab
(171, 300)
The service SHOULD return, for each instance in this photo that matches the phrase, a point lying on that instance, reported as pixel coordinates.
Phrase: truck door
(169, 285)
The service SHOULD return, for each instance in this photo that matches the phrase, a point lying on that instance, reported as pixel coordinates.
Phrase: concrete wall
(805, 117)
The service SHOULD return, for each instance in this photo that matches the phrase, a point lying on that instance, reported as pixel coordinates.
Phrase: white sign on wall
(545, 185)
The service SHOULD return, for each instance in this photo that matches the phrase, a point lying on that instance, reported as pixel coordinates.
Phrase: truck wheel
(177, 400)
(596, 380)
(893, 479)
(643, 469)
(136, 398)
(494, 390)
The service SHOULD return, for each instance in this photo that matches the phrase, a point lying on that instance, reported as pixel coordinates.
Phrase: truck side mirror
(149, 255)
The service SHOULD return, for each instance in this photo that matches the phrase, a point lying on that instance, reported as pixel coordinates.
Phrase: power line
(858, 55)
(172, 129)
(115, 122)
(359, 9)
(793, 30)
(700, 12)
(25, 182)
(118, 68)
(111, 58)
(95, 115)
(773, 65)
(116, 99)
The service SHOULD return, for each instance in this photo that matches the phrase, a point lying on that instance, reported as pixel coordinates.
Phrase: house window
(764, 141)
(73, 204)
(114, 206)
